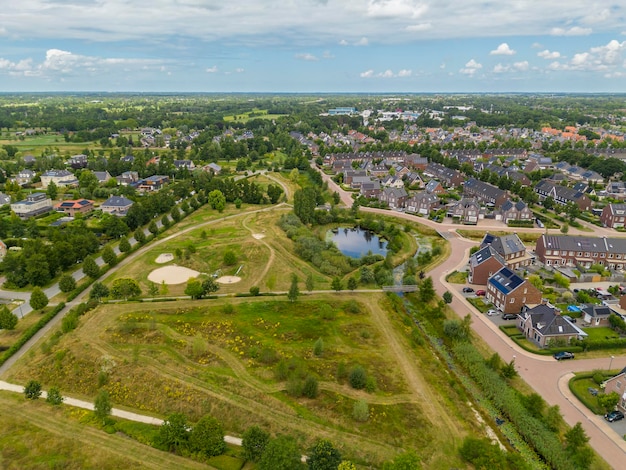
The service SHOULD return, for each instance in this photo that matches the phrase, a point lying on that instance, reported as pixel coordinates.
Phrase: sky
(313, 46)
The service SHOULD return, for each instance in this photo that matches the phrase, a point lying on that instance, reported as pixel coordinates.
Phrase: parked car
(481, 292)
(468, 290)
(509, 316)
(614, 415)
(491, 312)
(539, 223)
(563, 355)
(569, 319)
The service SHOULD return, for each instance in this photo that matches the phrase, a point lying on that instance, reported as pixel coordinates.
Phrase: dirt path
(261, 241)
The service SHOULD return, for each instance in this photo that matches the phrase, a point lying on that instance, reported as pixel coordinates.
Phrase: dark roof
(548, 323)
(506, 280)
(597, 310)
(507, 244)
(485, 254)
(117, 201)
(579, 243)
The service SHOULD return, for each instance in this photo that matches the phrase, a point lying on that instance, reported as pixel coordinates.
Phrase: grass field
(36, 144)
(254, 114)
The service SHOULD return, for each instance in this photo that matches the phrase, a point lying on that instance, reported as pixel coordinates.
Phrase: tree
(280, 454)
(323, 456)
(109, 256)
(8, 320)
(447, 297)
(254, 442)
(565, 228)
(318, 347)
(175, 214)
(274, 192)
(52, 190)
(352, 283)
(173, 434)
(125, 288)
(304, 203)
(294, 292)
(125, 245)
(230, 258)
(358, 377)
(207, 437)
(54, 396)
(360, 411)
(406, 461)
(32, 390)
(38, 299)
(102, 405)
(98, 291)
(336, 284)
(194, 288)
(427, 291)
(608, 401)
(310, 387)
(153, 289)
(217, 200)
(309, 282)
(139, 236)
(67, 283)
(575, 438)
(346, 465)
(90, 268)
(209, 286)
(152, 227)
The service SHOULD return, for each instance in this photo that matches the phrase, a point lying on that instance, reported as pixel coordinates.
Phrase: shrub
(32, 390)
(54, 396)
(358, 377)
(360, 411)
(253, 443)
(67, 283)
(318, 347)
(310, 387)
(207, 437)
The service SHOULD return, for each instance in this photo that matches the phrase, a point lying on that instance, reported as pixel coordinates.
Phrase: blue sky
(313, 45)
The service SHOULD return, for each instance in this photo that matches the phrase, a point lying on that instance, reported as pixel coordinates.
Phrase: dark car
(614, 416)
(509, 316)
(563, 355)
(481, 292)
(468, 290)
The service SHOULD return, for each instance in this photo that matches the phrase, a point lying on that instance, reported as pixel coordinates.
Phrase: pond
(356, 242)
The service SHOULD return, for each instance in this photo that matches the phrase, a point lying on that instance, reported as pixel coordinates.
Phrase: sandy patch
(258, 236)
(172, 275)
(164, 258)
(228, 279)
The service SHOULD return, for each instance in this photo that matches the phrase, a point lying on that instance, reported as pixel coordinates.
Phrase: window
(595, 255)
(512, 301)
(563, 253)
(586, 254)
(602, 255)
(525, 290)
(610, 255)
(618, 256)
(571, 253)
(548, 262)
(580, 253)
(618, 385)
(548, 252)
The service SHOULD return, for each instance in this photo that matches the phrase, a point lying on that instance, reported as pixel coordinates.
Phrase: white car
(492, 312)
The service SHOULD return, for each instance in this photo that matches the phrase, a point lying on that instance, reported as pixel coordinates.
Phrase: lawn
(600, 333)
(457, 277)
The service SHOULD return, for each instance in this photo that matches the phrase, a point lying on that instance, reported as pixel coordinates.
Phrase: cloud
(608, 58)
(395, 9)
(546, 54)
(212, 69)
(573, 31)
(367, 74)
(359, 42)
(306, 56)
(386, 74)
(502, 49)
(521, 66)
(471, 68)
(405, 73)
(419, 27)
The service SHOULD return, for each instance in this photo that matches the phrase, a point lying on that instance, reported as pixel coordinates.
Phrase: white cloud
(367, 74)
(405, 73)
(608, 58)
(308, 57)
(521, 66)
(359, 42)
(395, 9)
(386, 74)
(499, 68)
(502, 49)
(471, 68)
(573, 31)
(328, 55)
(546, 54)
(239, 70)
(212, 69)
(419, 27)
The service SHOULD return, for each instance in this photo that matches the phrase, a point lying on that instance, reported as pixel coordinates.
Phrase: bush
(32, 390)
(253, 443)
(54, 396)
(360, 411)
(207, 437)
(67, 283)
(310, 387)
(358, 378)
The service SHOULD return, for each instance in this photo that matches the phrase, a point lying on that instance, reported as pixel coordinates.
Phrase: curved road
(549, 378)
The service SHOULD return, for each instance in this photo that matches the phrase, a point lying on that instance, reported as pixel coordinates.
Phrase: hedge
(28, 334)
(521, 223)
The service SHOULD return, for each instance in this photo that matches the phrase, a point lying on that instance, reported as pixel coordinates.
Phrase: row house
(357, 181)
(614, 215)
(562, 195)
(392, 182)
(516, 153)
(348, 175)
(510, 292)
(483, 264)
(510, 248)
(434, 187)
(515, 211)
(73, 207)
(465, 211)
(485, 192)
(413, 180)
(394, 197)
(577, 173)
(422, 203)
(572, 251)
(61, 178)
(416, 162)
(447, 176)
(542, 325)
(34, 204)
(511, 173)
(370, 189)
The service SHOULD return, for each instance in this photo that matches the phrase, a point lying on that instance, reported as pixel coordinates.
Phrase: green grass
(457, 277)
(479, 303)
(600, 333)
(226, 462)
(580, 386)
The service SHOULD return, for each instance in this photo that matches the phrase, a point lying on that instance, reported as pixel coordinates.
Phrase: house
(617, 384)
(562, 195)
(349, 175)
(73, 207)
(103, 176)
(614, 215)
(572, 251)
(434, 187)
(392, 182)
(127, 178)
(515, 211)
(212, 168)
(78, 161)
(34, 204)
(596, 315)
(116, 205)
(448, 177)
(422, 203)
(24, 177)
(180, 164)
(394, 197)
(509, 292)
(61, 178)
(4, 199)
(29, 160)
(510, 247)
(370, 189)
(465, 211)
(542, 325)
(485, 192)
(152, 183)
(484, 264)
(416, 161)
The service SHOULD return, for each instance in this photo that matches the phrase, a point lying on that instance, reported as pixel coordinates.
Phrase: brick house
(394, 197)
(541, 325)
(484, 264)
(370, 189)
(510, 247)
(422, 203)
(562, 195)
(434, 187)
(596, 315)
(73, 207)
(617, 384)
(572, 251)
(515, 211)
(466, 211)
(509, 291)
(614, 215)
(485, 192)
(447, 176)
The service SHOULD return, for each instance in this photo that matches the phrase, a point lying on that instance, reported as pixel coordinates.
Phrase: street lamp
(611, 362)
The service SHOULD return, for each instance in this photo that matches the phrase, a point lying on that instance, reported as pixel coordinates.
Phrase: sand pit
(228, 279)
(172, 275)
(164, 258)
(258, 236)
